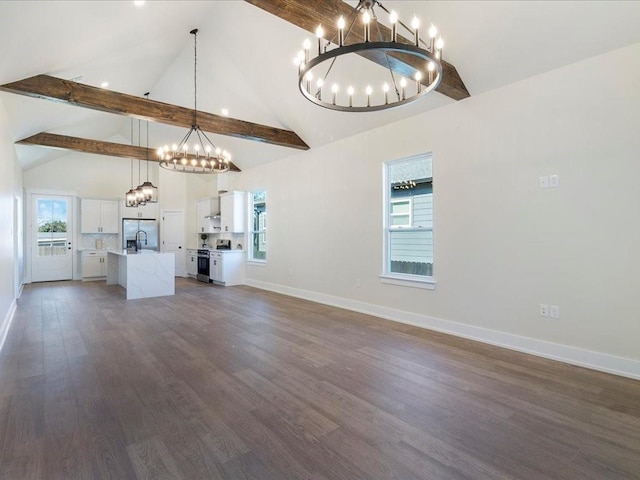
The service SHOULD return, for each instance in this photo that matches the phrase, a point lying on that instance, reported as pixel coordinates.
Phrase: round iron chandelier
(392, 89)
(205, 157)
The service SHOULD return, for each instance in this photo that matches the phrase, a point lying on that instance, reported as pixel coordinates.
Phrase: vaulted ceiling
(245, 62)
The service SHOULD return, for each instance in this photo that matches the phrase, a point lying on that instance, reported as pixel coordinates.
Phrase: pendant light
(140, 197)
(149, 190)
(130, 196)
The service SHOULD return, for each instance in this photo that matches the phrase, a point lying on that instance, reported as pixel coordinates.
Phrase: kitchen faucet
(138, 244)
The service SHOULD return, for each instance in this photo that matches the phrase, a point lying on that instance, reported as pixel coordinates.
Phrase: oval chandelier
(392, 89)
(205, 157)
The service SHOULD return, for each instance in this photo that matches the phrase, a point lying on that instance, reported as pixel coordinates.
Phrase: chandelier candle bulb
(403, 88)
(350, 92)
(309, 77)
(433, 31)
(306, 46)
(431, 68)
(369, 91)
(319, 83)
(439, 47)
(320, 35)
(415, 24)
(393, 19)
(418, 78)
(366, 18)
(341, 25)
(334, 90)
(385, 89)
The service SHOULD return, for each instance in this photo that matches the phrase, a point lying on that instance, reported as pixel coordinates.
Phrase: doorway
(51, 237)
(173, 238)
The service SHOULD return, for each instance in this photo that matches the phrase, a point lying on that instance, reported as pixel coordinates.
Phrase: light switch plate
(554, 311)
(554, 181)
(544, 310)
(544, 182)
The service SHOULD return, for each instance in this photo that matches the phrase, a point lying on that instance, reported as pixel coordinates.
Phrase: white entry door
(51, 238)
(173, 238)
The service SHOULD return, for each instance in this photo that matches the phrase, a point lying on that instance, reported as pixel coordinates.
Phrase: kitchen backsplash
(236, 239)
(109, 241)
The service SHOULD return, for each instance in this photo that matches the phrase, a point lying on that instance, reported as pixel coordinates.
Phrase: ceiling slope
(72, 93)
(307, 15)
(98, 147)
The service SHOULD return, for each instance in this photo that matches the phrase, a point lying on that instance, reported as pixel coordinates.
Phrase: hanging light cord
(147, 150)
(138, 146)
(131, 159)
(195, 77)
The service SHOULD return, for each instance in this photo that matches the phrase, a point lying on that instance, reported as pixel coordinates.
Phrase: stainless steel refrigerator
(145, 232)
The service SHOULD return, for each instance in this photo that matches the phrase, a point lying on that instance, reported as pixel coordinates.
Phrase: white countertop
(211, 250)
(103, 250)
(124, 253)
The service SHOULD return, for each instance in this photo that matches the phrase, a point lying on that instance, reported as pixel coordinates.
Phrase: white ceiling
(245, 61)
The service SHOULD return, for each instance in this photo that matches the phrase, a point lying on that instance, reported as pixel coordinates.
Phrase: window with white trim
(408, 245)
(258, 210)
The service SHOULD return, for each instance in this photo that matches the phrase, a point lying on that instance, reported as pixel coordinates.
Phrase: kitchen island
(142, 274)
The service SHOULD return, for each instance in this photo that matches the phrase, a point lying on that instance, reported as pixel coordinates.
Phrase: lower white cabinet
(192, 263)
(94, 265)
(227, 267)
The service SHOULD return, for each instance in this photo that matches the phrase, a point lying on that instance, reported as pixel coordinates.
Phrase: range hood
(216, 215)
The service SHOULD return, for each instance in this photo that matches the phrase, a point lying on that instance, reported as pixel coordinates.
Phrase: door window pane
(52, 227)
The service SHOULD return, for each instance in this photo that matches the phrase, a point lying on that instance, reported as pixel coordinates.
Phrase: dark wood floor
(240, 383)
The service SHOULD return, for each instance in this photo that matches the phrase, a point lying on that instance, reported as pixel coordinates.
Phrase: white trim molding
(625, 367)
(428, 283)
(6, 323)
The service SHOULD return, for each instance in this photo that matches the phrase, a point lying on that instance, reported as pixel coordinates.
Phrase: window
(408, 245)
(258, 209)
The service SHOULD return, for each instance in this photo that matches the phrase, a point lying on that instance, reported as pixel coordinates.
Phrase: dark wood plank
(86, 96)
(98, 147)
(233, 383)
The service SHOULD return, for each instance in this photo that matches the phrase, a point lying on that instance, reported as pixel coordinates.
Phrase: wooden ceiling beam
(78, 94)
(308, 15)
(98, 147)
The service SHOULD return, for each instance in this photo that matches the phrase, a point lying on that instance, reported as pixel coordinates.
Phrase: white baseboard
(6, 323)
(603, 362)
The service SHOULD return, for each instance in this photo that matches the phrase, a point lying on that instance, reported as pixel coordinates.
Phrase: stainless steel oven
(203, 266)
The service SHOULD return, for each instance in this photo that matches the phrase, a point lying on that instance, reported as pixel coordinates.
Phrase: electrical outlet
(544, 310)
(544, 182)
(554, 181)
(554, 311)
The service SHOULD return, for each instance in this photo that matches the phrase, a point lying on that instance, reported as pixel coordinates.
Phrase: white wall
(11, 201)
(502, 244)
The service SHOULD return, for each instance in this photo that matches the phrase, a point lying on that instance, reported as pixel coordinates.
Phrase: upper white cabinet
(147, 211)
(99, 216)
(205, 210)
(232, 211)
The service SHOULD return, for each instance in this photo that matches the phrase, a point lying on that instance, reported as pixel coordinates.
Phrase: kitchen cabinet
(233, 207)
(147, 211)
(98, 216)
(205, 209)
(94, 265)
(227, 267)
(192, 263)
